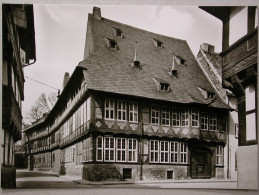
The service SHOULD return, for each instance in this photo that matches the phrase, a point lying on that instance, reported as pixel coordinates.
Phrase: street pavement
(32, 179)
(50, 183)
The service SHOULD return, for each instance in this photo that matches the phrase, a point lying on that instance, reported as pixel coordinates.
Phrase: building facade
(239, 74)
(137, 107)
(18, 51)
(211, 64)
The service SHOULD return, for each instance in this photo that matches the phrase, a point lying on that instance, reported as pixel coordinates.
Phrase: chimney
(65, 80)
(207, 47)
(97, 13)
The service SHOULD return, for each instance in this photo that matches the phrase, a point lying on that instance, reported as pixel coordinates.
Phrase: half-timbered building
(18, 44)
(137, 107)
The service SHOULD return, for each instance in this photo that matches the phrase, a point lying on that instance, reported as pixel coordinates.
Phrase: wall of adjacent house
(55, 161)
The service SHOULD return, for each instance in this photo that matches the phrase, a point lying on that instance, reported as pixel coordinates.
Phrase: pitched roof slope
(110, 70)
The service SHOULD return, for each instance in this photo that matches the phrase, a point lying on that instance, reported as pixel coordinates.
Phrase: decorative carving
(246, 62)
(134, 127)
(195, 131)
(185, 131)
(155, 128)
(176, 130)
(109, 123)
(166, 129)
(160, 130)
(98, 124)
(238, 53)
(121, 125)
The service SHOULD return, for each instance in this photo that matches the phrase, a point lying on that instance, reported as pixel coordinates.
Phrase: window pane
(250, 127)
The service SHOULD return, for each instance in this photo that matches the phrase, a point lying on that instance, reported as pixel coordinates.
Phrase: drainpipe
(141, 149)
(228, 147)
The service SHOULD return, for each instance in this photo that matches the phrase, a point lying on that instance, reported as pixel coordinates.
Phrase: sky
(60, 32)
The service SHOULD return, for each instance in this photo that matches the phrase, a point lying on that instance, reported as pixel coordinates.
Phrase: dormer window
(111, 43)
(164, 86)
(161, 85)
(158, 43)
(180, 60)
(174, 73)
(117, 32)
(210, 95)
(136, 64)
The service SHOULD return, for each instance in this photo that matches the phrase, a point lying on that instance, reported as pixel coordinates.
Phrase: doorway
(201, 160)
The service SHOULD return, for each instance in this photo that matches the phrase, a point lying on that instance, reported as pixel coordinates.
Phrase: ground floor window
(116, 149)
(168, 152)
(170, 174)
(87, 150)
(127, 173)
(109, 149)
(219, 155)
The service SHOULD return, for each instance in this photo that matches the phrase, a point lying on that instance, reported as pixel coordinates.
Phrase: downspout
(228, 148)
(141, 149)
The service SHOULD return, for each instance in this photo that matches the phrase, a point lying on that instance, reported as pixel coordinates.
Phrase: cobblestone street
(30, 182)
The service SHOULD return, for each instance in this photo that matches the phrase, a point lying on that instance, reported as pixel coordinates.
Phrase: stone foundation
(8, 176)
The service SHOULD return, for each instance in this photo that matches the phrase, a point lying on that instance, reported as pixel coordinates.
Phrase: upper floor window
(219, 155)
(213, 122)
(204, 121)
(238, 23)
(133, 112)
(250, 95)
(121, 110)
(155, 114)
(165, 116)
(195, 117)
(176, 117)
(185, 117)
(109, 109)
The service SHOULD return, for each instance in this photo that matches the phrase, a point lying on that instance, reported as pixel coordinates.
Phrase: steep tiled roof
(110, 70)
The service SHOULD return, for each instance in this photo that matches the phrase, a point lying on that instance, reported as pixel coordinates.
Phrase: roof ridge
(139, 29)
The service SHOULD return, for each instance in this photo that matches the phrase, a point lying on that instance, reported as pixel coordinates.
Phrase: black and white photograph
(129, 98)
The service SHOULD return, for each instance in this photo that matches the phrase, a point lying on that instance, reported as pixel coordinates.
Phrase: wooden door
(201, 164)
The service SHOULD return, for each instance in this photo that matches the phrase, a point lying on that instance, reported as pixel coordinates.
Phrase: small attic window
(111, 43)
(210, 95)
(161, 85)
(158, 43)
(136, 64)
(180, 60)
(174, 73)
(164, 86)
(117, 32)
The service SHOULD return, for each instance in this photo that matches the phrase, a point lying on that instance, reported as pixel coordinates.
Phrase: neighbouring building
(137, 107)
(19, 155)
(18, 51)
(239, 75)
(211, 64)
